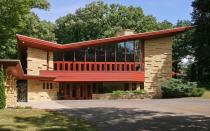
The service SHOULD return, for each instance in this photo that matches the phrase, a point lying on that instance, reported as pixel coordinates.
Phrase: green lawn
(206, 94)
(206, 86)
(34, 119)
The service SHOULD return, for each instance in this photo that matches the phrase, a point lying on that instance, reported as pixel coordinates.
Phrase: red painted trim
(25, 41)
(88, 76)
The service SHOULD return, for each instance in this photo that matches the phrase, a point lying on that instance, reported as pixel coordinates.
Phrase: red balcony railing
(98, 66)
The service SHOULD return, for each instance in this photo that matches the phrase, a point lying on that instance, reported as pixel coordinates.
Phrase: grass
(34, 119)
(206, 94)
(205, 86)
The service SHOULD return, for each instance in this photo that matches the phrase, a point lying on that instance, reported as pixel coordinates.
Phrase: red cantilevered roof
(13, 67)
(25, 41)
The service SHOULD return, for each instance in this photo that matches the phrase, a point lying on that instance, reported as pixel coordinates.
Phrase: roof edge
(26, 41)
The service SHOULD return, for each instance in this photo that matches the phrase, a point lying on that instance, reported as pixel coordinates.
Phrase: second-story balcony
(98, 66)
(67, 71)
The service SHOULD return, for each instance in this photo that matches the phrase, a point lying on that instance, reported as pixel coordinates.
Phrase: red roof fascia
(37, 43)
(94, 76)
(13, 67)
(25, 41)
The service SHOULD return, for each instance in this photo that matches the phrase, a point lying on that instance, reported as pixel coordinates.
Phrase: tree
(100, 20)
(36, 28)
(182, 45)
(13, 14)
(165, 25)
(201, 36)
(2, 89)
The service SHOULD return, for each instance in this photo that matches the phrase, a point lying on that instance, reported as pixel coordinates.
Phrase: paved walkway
(133, 115)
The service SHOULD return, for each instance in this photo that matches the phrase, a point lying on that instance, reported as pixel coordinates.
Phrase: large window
(128, 51)
(90, 54)
(120, 48)
(137, 50)
(69, 55)
(110, 53)
(129, 45)
(80, 55)
(100, 54)
(58, 56)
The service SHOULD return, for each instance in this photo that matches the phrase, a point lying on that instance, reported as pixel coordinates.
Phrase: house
(79, 70)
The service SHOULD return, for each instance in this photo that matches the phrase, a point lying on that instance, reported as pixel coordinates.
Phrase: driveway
(136, 115)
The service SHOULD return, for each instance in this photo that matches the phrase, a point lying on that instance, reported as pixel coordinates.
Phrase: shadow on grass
(55, 121)
(115, 119)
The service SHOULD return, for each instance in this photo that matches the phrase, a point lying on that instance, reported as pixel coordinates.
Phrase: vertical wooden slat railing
(98, 66)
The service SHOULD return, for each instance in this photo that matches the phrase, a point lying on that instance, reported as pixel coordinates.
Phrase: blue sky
(171, 10)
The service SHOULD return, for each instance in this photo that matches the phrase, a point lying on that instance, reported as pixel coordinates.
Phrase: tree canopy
(99, 20)
(14, 14)
(201, 36)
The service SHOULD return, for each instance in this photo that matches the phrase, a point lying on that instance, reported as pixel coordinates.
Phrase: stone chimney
(125, 32)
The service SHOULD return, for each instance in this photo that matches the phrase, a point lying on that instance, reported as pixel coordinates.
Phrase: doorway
(76, 91)
(21, 91)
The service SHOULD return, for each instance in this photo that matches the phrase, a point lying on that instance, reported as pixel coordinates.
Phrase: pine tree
(2, 89)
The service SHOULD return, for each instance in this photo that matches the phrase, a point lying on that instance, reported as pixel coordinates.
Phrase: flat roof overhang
(25, 41)
(87, 76)
(13, 67)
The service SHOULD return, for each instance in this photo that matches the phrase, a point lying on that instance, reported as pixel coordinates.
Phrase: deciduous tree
(99, 20)
(13, 14)
(201, 37)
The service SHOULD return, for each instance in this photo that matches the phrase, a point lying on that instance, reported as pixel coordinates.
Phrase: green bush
(119, 92)
(175, 88)
(2, 89)
(23, 107)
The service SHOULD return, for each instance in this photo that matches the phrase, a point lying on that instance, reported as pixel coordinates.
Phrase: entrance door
(77, 91)
(22, 91)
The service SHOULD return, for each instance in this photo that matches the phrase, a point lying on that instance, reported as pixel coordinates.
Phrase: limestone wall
(37, 93)
(37, 60)
(11, 92)
(158, 64)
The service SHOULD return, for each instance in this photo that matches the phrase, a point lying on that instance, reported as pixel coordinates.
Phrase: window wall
(110, 53)
(129, 47)
(120, 52)
(128, 51)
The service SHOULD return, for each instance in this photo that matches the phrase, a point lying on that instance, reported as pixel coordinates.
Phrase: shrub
(175, 88)
(119, 92)
(197, 92)
(2, 89)
(23, 107)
